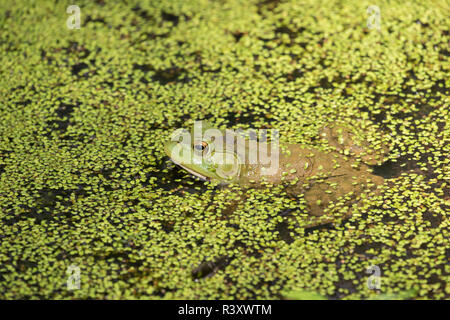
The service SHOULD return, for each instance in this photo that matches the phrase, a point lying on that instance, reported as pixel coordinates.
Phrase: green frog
(324, 176)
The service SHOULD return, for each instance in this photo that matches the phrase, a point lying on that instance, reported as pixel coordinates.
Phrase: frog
(342, 171)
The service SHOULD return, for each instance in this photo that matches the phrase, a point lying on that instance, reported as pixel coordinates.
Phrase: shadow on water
(45, 206)
(170, 177)
(391, 169)
(209, 268)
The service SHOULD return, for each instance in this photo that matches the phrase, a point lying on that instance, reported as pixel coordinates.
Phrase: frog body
(322, 177)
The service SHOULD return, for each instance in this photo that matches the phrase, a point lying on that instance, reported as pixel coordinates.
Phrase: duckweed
(85, 113)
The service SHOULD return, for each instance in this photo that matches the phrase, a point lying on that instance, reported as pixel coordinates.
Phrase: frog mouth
(196, 174)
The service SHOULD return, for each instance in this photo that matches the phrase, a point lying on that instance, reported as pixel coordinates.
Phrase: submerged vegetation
(85, 115)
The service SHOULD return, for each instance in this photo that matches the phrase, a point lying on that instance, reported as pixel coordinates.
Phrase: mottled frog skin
(322, 177)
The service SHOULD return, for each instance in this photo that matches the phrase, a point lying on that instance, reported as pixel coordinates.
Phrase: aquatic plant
(85, 114)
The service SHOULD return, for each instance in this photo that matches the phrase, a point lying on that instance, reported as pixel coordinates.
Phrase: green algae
(84, 115)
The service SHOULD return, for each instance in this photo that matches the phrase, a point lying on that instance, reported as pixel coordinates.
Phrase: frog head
(204, 152)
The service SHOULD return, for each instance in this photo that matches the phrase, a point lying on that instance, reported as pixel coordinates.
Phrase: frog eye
(201, 147)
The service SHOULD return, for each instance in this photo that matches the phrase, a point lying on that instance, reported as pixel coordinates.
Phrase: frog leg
(319, 198)
(323, 201)
(345, 141)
